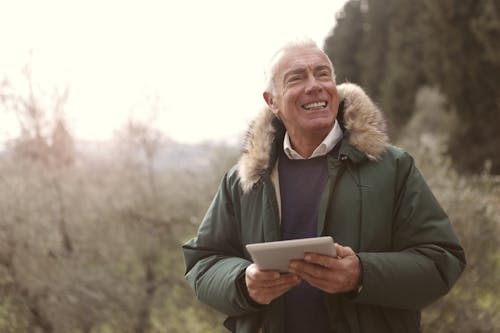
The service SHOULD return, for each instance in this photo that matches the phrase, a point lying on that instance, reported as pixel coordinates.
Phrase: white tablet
(277, 255)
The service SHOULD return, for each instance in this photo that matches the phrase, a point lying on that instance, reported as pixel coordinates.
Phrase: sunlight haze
(199, 63)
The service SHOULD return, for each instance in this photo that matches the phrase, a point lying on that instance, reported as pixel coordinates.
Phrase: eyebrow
(322, 67)
(301, 70)
(291, 72)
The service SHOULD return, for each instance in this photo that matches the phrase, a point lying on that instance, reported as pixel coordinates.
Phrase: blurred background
(118, 120)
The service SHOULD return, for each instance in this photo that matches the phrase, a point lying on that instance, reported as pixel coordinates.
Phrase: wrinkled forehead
(301, 56)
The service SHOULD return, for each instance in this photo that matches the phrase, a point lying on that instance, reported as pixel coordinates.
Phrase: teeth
(314, 105)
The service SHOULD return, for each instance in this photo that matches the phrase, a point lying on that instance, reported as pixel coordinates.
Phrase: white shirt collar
(324, 147)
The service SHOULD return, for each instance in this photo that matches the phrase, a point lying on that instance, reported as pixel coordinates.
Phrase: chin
(321, 124)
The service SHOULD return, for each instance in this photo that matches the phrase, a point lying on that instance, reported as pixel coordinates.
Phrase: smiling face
(304, 94)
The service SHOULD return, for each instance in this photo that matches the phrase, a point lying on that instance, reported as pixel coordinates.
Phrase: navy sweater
(301, 184)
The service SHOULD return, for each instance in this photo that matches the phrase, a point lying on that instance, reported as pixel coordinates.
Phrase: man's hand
(332, 275)
(265, 286)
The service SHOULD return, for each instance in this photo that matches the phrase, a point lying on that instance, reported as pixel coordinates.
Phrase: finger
(287, 278)
(319, 277)
(343, 251)
(319, 259)
(306, 270)
(255, 281)
(266, 295)
(253, 272)
(284, 284)
(283, 280)
(320, 284)
(344, 276)
(280, 290)
(255, 276)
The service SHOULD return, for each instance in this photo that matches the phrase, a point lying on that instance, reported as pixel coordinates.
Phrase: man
(317, 162)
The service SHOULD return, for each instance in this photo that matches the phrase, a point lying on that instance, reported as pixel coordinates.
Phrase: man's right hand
(265, 286)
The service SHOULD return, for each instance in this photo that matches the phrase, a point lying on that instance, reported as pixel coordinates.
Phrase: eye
(324, 73)
(293, 78)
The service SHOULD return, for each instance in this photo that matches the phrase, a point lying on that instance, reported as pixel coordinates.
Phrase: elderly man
(317, 162)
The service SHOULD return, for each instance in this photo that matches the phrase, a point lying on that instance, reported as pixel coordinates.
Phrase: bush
(473, 205)
(94, 248)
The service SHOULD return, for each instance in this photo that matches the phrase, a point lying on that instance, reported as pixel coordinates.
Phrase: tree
(393, 48)
(375, 44)
(461, 59)
(141, 136)
(342, 45)
(44, 133)
(404, 73)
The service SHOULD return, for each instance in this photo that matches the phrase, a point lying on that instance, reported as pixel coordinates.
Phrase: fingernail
(307, 258)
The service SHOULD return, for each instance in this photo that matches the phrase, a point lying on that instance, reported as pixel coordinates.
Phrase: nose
(312, 85)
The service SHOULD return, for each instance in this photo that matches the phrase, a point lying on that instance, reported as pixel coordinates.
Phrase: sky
(199, 64)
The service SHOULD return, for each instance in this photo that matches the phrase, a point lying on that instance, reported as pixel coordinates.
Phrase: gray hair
(288, 46)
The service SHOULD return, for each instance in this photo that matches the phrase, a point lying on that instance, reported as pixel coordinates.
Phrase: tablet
(276, 255)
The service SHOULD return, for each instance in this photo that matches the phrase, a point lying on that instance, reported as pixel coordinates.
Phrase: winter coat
(375, 202)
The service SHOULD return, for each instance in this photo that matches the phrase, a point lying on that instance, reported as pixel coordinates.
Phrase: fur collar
(362, 120)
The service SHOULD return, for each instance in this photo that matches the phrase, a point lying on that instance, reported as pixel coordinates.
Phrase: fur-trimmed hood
(361, 118)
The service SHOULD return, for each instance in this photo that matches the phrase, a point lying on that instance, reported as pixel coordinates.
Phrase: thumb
(343, 251)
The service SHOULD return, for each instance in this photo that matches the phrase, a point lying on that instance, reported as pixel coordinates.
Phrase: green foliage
(374, 45)
(10, 319)
(343, 44)
(466, 70)
(392, 48)
(403, 58)
(378, 44)
(473, 204)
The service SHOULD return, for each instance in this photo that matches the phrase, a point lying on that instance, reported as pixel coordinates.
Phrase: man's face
(305, 95)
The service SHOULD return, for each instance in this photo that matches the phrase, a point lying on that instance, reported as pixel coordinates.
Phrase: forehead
(300, 57)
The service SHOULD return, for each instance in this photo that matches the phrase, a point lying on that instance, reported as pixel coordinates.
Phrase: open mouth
(315, 105)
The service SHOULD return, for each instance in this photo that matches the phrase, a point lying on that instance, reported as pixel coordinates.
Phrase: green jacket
(375, 202)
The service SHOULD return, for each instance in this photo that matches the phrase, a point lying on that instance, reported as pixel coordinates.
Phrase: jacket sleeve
(426, 257)
(215, 266)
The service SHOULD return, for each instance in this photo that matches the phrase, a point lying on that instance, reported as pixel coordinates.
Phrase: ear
(268, 97)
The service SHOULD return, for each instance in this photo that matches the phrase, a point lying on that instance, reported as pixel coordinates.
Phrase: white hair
(288, 46)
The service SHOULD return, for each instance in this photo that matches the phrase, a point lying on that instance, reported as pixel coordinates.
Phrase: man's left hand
(332, 275)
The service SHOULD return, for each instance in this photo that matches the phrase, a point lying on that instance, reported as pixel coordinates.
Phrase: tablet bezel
(277, 255)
